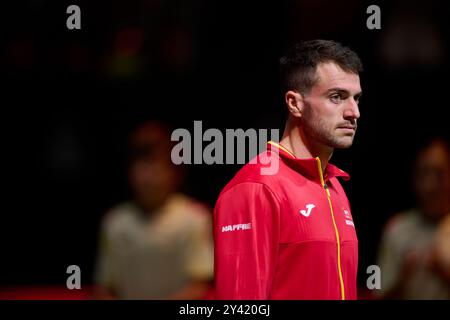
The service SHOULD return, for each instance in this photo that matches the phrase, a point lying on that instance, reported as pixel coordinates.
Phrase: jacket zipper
(325, 187)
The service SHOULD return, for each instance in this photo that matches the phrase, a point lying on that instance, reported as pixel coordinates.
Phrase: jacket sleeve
(246, 236)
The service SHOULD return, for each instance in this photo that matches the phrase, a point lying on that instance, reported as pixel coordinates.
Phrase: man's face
(432, 180)
(152, 180)
(331, 107)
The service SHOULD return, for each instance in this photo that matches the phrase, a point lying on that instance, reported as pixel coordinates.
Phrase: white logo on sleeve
(348, 218)
(236, 227)
(306, 213)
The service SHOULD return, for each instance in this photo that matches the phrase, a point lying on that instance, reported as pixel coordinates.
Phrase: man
(159, 244)
(415, 249)
(291, 235)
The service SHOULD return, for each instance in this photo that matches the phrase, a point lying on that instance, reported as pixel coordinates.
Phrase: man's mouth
(350, 129)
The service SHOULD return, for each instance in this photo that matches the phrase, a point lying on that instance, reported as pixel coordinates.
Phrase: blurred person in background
(159, 244)
(414, 254)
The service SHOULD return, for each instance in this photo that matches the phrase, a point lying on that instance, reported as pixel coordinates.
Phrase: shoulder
(260, 173)
(245, 197)
(402, 222)
(119, 217)
(188, 208)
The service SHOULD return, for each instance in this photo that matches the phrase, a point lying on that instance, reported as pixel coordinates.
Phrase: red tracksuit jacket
(288, 235)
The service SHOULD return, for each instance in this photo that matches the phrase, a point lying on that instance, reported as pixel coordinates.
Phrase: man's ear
(295, 103)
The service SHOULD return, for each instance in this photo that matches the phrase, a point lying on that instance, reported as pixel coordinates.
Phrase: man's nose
(351, 110)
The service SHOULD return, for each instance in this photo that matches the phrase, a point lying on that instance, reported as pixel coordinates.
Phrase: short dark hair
(298, 66)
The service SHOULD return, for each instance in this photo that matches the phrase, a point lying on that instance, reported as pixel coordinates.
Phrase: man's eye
(336, 98)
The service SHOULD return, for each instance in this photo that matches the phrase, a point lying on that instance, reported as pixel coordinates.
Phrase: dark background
(70, 98)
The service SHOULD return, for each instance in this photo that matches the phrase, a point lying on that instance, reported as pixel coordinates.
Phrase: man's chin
(343, 143)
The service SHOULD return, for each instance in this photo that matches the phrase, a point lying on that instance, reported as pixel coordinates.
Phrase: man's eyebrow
(339, 90)
(343, 91)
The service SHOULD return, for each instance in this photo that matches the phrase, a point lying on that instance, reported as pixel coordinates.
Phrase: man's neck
(295, 140)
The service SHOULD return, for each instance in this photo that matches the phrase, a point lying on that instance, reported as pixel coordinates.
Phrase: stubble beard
(318, 131)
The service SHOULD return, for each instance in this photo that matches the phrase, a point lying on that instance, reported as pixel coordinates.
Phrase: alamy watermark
(374, 20)
(235, 146)
(74, 20)
(374, 280)
(74, 280)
